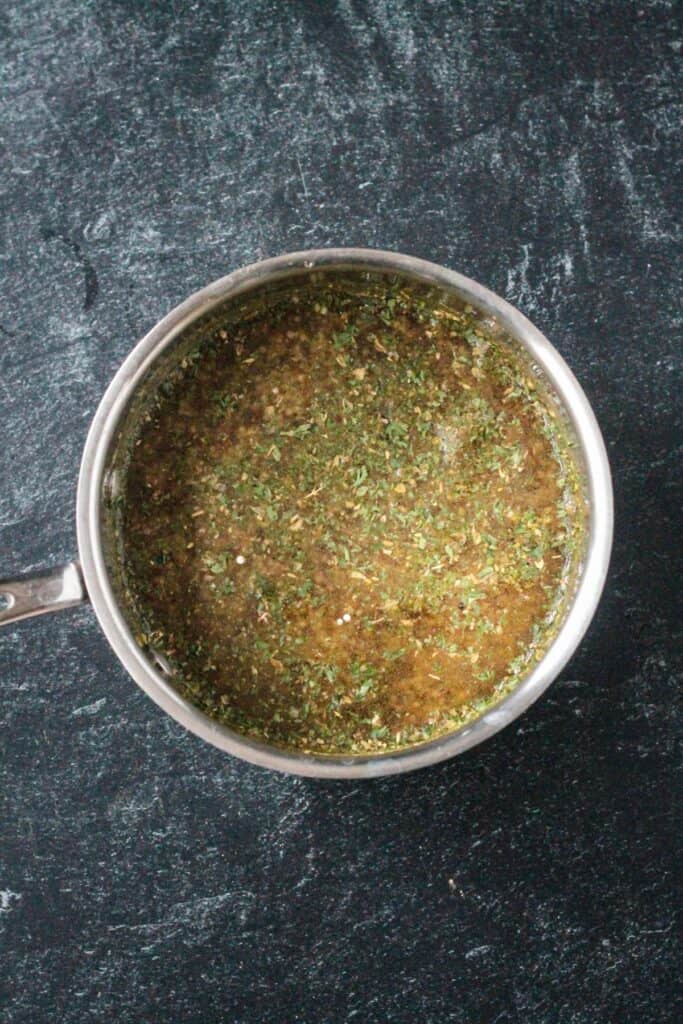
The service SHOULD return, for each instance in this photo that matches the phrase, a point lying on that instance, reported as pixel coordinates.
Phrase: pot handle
(35, 595)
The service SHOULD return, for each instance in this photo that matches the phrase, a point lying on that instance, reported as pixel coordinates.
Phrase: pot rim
(113, 407)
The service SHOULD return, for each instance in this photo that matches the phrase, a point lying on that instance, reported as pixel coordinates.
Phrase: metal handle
(35, 595)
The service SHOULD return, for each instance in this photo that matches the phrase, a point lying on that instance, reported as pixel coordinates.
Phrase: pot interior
(254, 298)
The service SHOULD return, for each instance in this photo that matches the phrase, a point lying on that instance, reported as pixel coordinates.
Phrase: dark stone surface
(150, 147)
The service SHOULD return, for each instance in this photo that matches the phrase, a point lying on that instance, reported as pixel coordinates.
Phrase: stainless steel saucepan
(90, 578)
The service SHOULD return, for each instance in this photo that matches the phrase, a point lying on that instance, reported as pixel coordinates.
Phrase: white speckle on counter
(518, 288)
(90, 709)
(7, 898)
(190, 921)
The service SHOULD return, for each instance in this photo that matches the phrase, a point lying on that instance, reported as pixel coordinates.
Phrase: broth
(350, 518)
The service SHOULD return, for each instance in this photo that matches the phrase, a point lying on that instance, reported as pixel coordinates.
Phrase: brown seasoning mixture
(350, 520)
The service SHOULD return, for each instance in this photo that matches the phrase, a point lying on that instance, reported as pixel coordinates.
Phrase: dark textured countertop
(149, 148)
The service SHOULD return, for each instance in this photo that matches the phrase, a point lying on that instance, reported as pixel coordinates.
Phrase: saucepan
(90, 578)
